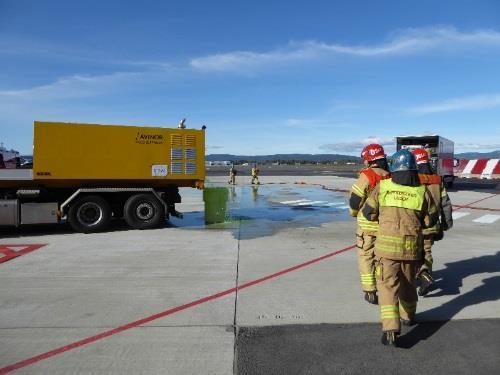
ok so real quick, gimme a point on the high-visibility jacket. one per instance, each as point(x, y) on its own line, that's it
point(441, 200)
point(402, 213)
point(367, 181)
point(255, 172)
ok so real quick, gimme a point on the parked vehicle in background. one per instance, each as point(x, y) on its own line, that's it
point(440, 149)
point(89, 173)
point(9, 159)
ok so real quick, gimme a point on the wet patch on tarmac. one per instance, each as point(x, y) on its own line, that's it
point(262, 210)
point(252, 211)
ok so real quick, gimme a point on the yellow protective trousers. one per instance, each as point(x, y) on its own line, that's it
point(366, 260)
point(397, 295)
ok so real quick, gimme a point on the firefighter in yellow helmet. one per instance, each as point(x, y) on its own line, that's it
point(255, 175)
point(443, 203)
point(375, 171)
point(403, 208)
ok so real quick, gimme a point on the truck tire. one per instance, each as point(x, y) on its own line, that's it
point(144, 211)
point(89, 214)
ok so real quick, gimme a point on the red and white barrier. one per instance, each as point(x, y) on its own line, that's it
point(478, 168)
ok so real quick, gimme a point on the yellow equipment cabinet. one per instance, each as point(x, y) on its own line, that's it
point(90, 173)
point(67, 155)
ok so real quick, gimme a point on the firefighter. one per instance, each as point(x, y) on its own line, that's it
point(255, 175)
point(443, 204)
point(232, 175)
point(376, 169)
point(403, 207)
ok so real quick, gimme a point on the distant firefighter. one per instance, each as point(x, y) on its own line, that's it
point(375, 171)
point(255, 175)
point(232, 175)
point(442, 200)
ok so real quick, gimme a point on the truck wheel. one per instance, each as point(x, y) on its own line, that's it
point(89, 214)
point(144, 211)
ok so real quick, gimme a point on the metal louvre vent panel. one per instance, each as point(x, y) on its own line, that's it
point(176, 154)
point(190, 168)
point(190, 141)
point(191, 153)
point(176, 168)
point(176, 140)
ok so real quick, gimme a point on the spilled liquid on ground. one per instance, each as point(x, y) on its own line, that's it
point(260, 210)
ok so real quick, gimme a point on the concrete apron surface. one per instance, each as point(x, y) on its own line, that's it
point(86, 304)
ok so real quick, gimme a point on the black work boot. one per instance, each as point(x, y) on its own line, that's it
point(390, 338)
point(371, 297)
point(426, 283)
point(408, 322)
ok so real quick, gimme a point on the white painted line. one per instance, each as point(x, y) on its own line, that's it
point(345, 206)
point(297, 201)
point(310, 203)
point(488, 169)
point(487, 219)
point(458, 215)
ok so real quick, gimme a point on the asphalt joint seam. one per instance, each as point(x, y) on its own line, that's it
point(235, 326)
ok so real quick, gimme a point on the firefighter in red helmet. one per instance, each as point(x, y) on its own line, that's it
point(376, 169)
point(442, 201)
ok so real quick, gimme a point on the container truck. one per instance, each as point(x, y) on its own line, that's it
point(440, 149)
point(89, 174)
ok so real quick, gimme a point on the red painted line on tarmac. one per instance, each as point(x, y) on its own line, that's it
point(470, 204)
point(324, 187)
point(291, 269)
point(476, 208)
point(8, 252)
point(334, 189)
point(136, 323)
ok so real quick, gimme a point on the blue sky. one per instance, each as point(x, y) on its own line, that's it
point(264, 76)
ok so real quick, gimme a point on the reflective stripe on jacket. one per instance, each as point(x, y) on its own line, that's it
point(402, 212)
point(368, 179)
point(441, 200)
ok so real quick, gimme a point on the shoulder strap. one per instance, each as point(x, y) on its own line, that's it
point(430, 179)
point(373, 177)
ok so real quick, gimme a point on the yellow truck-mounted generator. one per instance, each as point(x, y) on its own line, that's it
point(90, 173)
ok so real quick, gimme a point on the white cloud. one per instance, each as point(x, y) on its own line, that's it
point(75, 86)
point(357, 146)
point(408, 41)
point(477, 146)
point(459, 104)
point(248, 62)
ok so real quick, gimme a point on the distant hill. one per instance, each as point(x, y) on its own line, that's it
point(281, 157)
point(479, 155)
point(318, 158)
